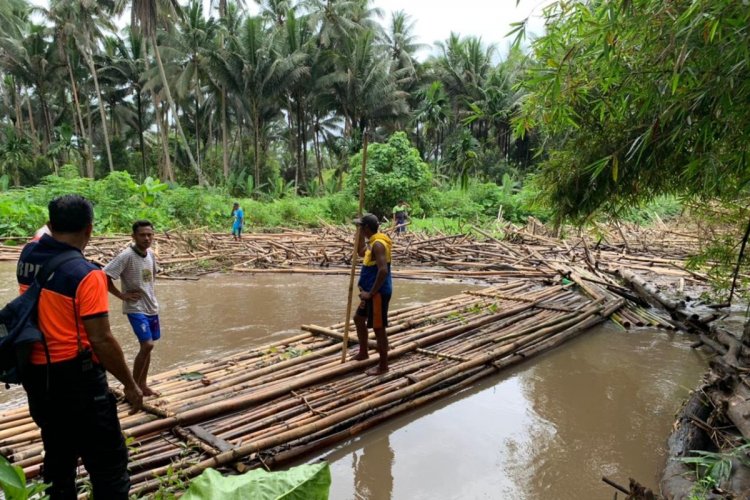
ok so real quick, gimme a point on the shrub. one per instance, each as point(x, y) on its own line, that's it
point(340, 207)
point(395, 172)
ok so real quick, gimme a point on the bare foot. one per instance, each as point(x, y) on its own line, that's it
point(359, 356)
point(147, 391)
point(378, 370)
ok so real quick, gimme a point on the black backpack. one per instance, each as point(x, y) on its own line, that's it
point(18, 322)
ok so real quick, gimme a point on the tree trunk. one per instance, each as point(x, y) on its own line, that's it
point(198, 138)
point(34, 137)
point(318, 160)
point(173, 108)
point(301, 147)
point(138, 102)
point(197, 132)
point(102, 114)
point(86, 140)
point(241, 143)
point(293, 141)
point(47, 125)
point(256, 146)
point(224, 133)
point(17, 105)
point(166, 174)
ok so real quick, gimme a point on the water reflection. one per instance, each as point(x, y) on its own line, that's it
point(611, 399)
point(373, 476)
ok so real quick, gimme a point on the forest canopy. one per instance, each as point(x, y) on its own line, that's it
point(246, 102)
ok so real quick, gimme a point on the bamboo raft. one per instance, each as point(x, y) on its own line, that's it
point(282, 400)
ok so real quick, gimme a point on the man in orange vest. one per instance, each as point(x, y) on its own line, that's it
point(375, 289)
point(66, 381)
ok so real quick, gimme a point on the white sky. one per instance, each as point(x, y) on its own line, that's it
point(488, 19)
point(435, 19)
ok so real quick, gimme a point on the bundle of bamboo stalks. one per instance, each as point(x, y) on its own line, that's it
point(678, 239)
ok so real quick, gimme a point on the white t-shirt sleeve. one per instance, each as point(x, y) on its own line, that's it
point(117, 265)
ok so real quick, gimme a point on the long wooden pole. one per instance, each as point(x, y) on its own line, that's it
point(355, 254)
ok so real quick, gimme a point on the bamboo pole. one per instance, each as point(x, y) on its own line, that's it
point(355, 252)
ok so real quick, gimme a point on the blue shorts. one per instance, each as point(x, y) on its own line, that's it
point(145, 327)
point(237, 229)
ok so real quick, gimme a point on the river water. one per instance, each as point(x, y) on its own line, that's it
point(600, 405)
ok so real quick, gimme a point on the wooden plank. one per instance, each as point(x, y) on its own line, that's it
point(209, 438)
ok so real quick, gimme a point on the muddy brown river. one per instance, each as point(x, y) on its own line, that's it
point(600, 405)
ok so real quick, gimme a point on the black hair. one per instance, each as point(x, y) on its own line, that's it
point(371, 222)
point(70, 213)
point(141, 223)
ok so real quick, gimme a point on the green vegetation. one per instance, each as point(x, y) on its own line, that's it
point(304, 482)
point(119, 200)
point(202, 106)
point(394, 172)
point(639, 99)
point(712, 468)
point(13, 483)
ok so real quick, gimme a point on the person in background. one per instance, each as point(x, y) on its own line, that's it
point(239, 221)
point(375, 289)
point(136, 268)
point(400, 217)
point(66, 382)
point(41, 232)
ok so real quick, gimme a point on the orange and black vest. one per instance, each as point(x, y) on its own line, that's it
point(76, 291)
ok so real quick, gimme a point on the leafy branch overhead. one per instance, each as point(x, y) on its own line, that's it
point(640, 98)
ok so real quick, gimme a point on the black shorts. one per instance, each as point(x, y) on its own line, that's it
point(375, 310)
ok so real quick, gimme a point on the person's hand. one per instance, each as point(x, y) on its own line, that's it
point(365, 295)
point(131, 296)
point(134, 395)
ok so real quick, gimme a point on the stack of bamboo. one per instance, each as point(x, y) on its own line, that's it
point(679, 239)
point(477, 255)
point(279, 401)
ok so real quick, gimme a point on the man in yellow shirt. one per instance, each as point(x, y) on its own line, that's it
point(375, 289)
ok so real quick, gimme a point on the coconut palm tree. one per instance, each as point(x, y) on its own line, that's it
point(336, 20)
point(195, 41)
point(84, 23)
point(463, 66)
point(146, 15)
point(32, 60)
point(400, 42)
point(226, 28)
point(433, 113)
point(15, 154)
point(256, 69)
point(126, 67)
point(363, 86)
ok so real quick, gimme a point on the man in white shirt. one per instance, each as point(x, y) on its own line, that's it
point(136, 268)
